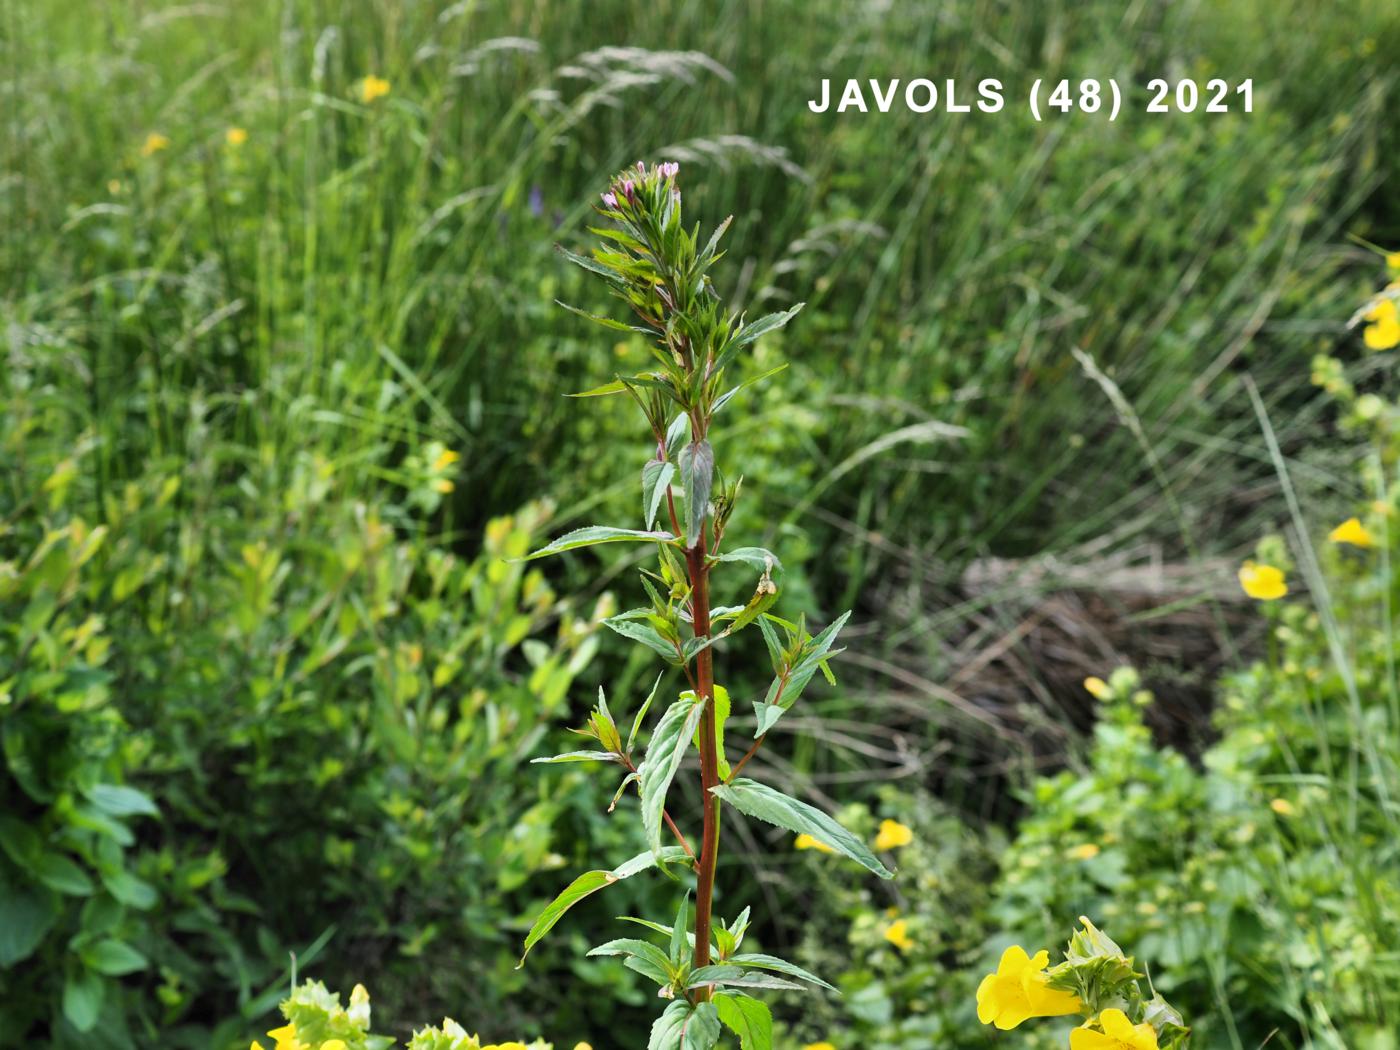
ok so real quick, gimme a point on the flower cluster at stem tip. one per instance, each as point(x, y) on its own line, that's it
point(1095, 981)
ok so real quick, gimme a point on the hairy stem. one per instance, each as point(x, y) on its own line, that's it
point(709, 758)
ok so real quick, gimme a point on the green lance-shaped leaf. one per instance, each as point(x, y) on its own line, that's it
point(685, 1026)
point(749, 332)
point(642, 956)
point(730, 975)
point(748, 1018)
point(789, 683)
point(698, 476)
point(577, 756)
point(722, 707)
point(665, 750)
point(648, 635)
point(656, 479)
point(591, 882)
point(764, 803)
point(592, 266)
point(592, 535)
point(759, 961)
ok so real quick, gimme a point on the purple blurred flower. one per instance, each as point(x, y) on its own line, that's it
point(536, 201)
point(610, 199)
point(641, 168)
point(670, 169)
point(627, 189)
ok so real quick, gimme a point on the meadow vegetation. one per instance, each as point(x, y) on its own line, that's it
point(281, 407)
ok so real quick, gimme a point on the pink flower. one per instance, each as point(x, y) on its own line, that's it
point(670, 169)
point(610, 199)
point(641, 168)
point(627, 189)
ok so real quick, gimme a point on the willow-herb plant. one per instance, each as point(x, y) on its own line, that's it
point(661, 271)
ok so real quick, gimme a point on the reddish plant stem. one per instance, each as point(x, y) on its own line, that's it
point(709, 759)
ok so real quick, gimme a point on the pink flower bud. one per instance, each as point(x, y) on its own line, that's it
point(670, 169)
point(610, 199)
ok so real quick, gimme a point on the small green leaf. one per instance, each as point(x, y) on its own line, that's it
point(591, 882)
point(728, 395)
point(83, 993)
point(668, 1030)
point(697, 476)
point(748, 1018)
point(577, 756)
point(653, 961)
point(617, 386)
point(678, 932)
point(114, 958)
point(721, 716)
point(665, 750)
point(764, 803)
point(788, 686)
point(701, 1029)
point(592, 535)
point(119, 800)
point(728, 975)
point(656, 479)
point(642, 711)
point(62, 873)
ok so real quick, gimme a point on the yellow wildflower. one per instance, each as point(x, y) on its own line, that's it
point(1263, 582)
point(893, 834)
point(1283, 807)
point(1383, 332)
point(155, 142)
point(1118, 1034)
point(1353, 532)
point(445, 459)
point(114, 186)
point(1392, 262)
point(897, 933)
point(1084, 851)
point(819, 1046)
point(1020, 990)
point(1096, 687)
point(256, 1045)
point(805, 841)
point(235, 137)
point(333, 1044)
point(444, 485)
point(582, 1046)
point(286, 1037)
point(373, 87)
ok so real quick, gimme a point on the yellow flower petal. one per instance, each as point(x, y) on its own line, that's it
point(1392, 261)
point(333, 1044)
point(155, 142)
point(819, 1046)
point(444, 485)
point(805, 841)
point(1020, 990)
point(1353, 532)
point(445, 459)
point(1084, 851)
point(1383, 332)
point(1282, 807)
point(235, 137)
point(373, 87)
point(897, 933)
point(1096, 687)
point(582, 1046)
point(1262, 582)
point(893, 834)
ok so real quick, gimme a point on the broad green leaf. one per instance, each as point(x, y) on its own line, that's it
point(130, 890)
point(27, 913)
point(656, 478)
point(119, 800)
point(676, 435)
point(113, 958)
point(748, 1018)
point(721, 716)
point(764, 803)
point(701, 1030)
point(697, 476)
point(730, 976)
point(83, 993)
point(62, 873)
point(759, 961)
point(767, 716)
point(654, 962)
point(591, 882)
point(577, 756)
point(644, 633)
point(665, 750)
point(668, 1030)
point(592, 535)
